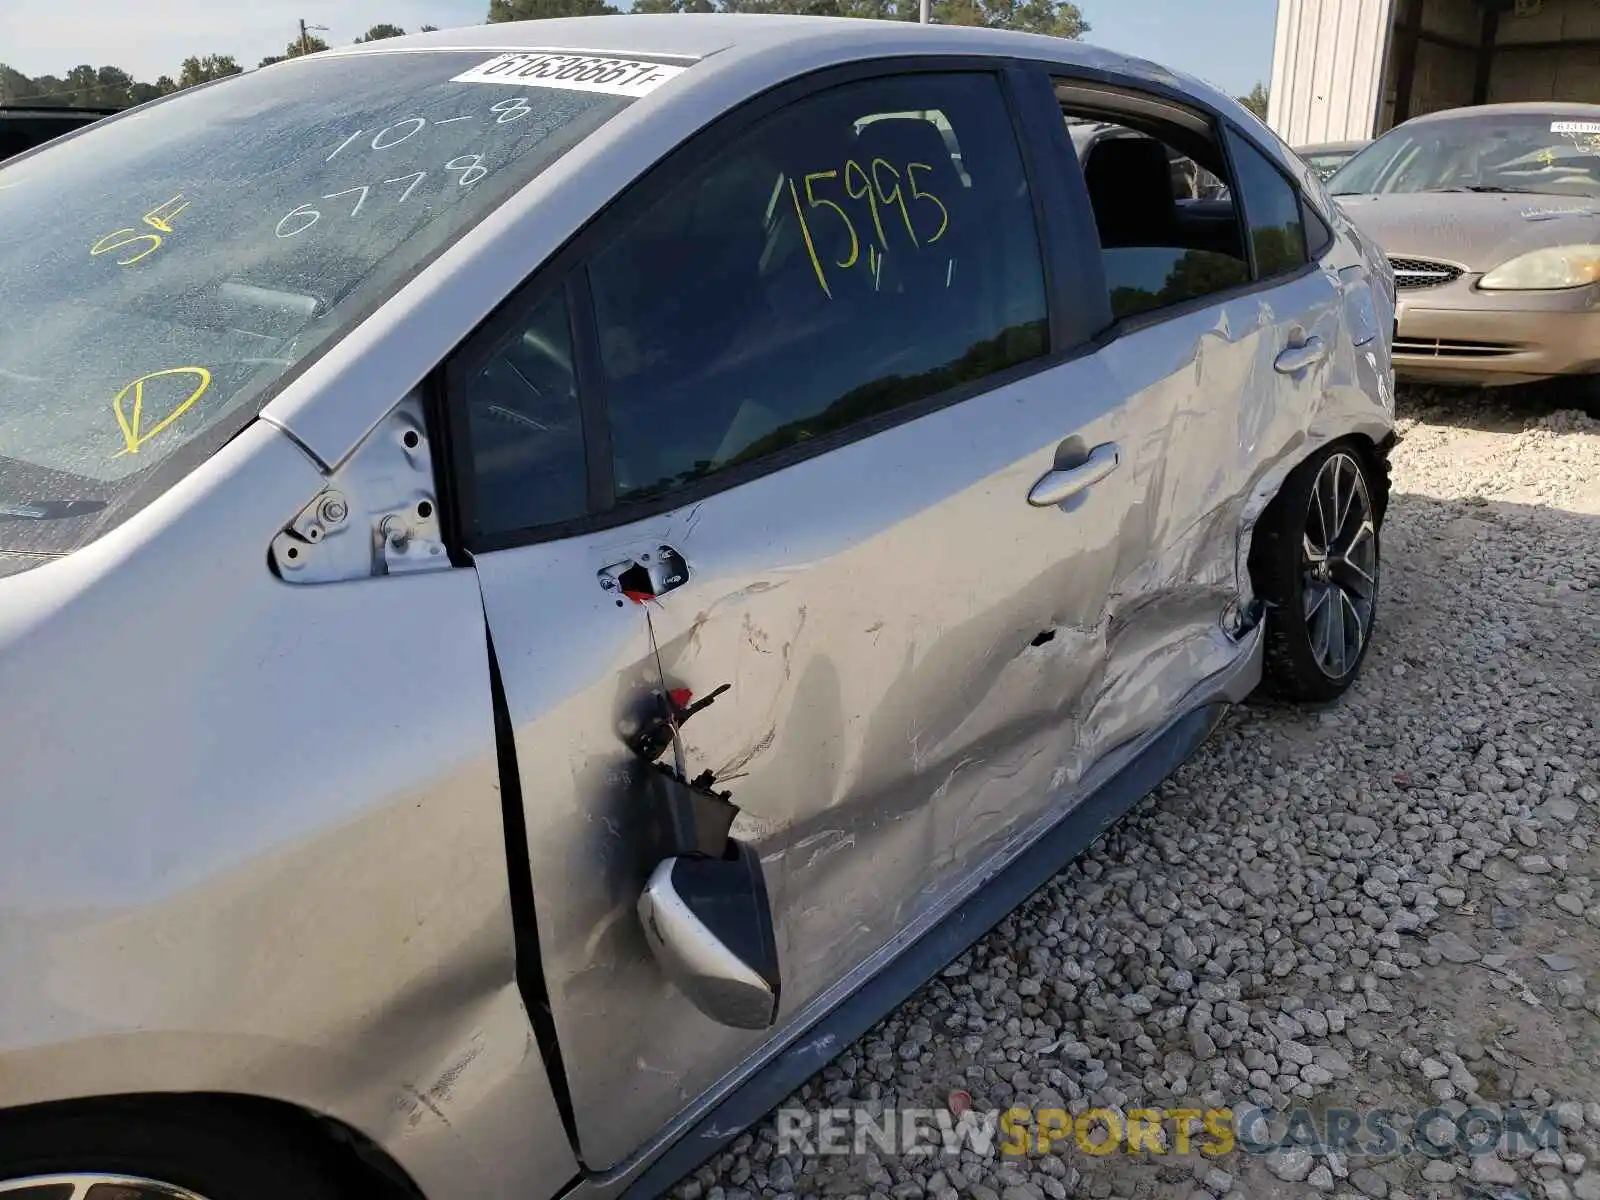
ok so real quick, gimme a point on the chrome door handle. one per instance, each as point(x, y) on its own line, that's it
point(1298, 358)
point(1065, 482)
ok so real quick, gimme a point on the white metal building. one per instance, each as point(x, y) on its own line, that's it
point(1347, 69)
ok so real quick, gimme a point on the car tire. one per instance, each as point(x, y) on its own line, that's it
point(1320, 588)
point(175, 1152)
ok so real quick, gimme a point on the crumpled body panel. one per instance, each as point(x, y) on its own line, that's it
point(919, 672)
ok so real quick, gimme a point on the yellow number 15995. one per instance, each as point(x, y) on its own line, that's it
point(866, 183)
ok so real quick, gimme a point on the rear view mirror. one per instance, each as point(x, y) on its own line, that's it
point(709, 924)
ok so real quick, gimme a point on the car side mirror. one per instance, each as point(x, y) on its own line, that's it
point(709, 924)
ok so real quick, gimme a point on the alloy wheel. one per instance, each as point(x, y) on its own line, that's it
point(90, 1185)
point(1339, 565)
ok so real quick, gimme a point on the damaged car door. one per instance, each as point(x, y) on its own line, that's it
point(1220, 336)
point(786, 496)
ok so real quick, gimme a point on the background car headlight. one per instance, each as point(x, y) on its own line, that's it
point(1545, 270)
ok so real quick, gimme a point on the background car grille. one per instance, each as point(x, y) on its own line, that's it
point(1451, 348)
point(1422, 273)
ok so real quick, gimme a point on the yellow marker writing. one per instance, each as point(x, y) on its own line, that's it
point(131, 423)
point(160, 217)
point(814, 200)
point(918, 194)
point(124, 238)
point(811, 249)
point(862, 190)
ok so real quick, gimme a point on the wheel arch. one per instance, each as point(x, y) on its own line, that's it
point(447, 1143)
point(1374, 450)
point(1285, 671)
point(353, 1158)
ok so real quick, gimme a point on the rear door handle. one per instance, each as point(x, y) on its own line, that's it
point(1065, 482)
point(1298, 358)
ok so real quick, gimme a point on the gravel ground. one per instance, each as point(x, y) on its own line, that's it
point(1393, 903)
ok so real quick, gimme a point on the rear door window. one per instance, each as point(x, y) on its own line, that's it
point(1169, 224)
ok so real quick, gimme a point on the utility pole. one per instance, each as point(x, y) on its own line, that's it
point(925, 11)
point(305, 39)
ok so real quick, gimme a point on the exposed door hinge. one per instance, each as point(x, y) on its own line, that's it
point(378, 513)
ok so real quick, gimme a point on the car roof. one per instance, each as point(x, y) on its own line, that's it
point(1554, 108)
point(698, 36)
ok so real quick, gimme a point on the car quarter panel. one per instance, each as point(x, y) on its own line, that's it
point(251, 839)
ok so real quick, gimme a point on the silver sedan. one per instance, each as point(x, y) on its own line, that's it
point(551, 574)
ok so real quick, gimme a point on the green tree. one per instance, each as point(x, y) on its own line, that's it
point(195, 70)
point(13, 84)
point(84, 86)
point(378, 32)
point(295, 49)
point(534, 10)
point(429, 29)
point(1054, 17)
point(673, 6)
point(1256, 101)
point(141, 92)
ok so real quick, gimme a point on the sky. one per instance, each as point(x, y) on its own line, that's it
point(1226, 42)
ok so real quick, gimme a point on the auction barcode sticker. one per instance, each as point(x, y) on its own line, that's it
point(1575, 126)
point(574, 72)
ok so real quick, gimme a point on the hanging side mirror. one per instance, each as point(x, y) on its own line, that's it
point(709, 924)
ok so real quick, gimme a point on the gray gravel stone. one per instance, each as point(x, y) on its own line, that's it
point(1452, 948)
point(1491, 1170)
point(1439, 1170)
point(1290, 1164)
point(1369, 1183)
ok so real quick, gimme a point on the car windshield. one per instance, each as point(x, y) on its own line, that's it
point(1493, 152)
point(1326, 162)
point(166, 271)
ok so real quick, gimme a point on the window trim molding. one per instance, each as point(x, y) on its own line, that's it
point(1081, 307)
point(1229, 133)
point(568, 268)
point(1307, 210)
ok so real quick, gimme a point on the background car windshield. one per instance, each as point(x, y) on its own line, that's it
point(164, 271)
point(1327, 163)
point(1524, 152)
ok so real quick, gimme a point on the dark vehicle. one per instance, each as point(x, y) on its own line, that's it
point(22, 127)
